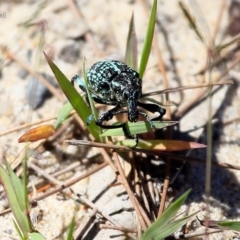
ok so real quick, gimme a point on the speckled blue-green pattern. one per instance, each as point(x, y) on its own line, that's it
point(113, 82)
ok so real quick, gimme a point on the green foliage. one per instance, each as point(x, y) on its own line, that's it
point(71, 229)
point(16, 191)
point(63, 114)
point(78, 102)
point(137, 128)
point(230, 225)
point(164, 226)
point(131, 48)
point(74, 97)
point(148, 41)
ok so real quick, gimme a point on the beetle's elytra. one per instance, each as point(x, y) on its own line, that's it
point(114, 83)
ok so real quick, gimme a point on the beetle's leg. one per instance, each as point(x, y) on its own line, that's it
point(153, 108)
point(80, 82)
point(109, 115)
point(149, 120)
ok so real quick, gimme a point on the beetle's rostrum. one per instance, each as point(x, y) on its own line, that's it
point(114, 83)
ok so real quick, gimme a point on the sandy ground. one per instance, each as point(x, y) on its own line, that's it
point(28, 28)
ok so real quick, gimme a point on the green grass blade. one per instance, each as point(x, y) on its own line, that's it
point(148, 41)
point(172, 227)
point(17, 187)
point(20, 217)
point(36, 236)
point(25, 193)
point(18, 229)
point(63, 114)
point(190, 19)
point(74, 98)
point(131, 48)
point(165, 218)
point(137, 128)
point(231, 225)
point(25, 183)
point(152, 100)
point(71, 229)
point(93, 109)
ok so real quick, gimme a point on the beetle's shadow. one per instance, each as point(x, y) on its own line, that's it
point(224, 184)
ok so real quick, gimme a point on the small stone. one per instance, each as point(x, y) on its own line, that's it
point(37, 93)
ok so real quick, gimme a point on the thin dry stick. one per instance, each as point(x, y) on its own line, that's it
point(201, 161)
point(219, 19)
point(62, 187)
point(27, 125)
point(130, 194)
point(188, 87)
point(59, 183)
point(69, 168)
point(195, 235)
point(200, 94)
point(93, 206)
point(123, 229)
point(136, 176)
point(215, 31)
point(122, 148)
point(168, 134)
point(143, 195)
point(43, 80)
point(78, 233)
point(165, 190)
point(224, 56)
point(151, 189)
point(107, 158)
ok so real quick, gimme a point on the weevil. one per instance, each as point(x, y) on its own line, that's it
point(112, 82)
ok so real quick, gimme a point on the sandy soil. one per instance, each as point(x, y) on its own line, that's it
point(27, 28)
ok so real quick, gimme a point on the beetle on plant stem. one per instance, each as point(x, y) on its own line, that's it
point(114, 83)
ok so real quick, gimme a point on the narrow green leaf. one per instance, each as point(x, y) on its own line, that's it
point(231, 225)
point(137, 128)
point(148, 41)
point(18, 229)
point(36, 236)
point(131, 48)
point(165, 218)
point(63, 114)
point(71, 229)
point(17, 187)
point(25, 193)
point(172, 227)
point(74, 98)
point(21, 218)
point(152, 100)
point(93, 109)
point(190, 19)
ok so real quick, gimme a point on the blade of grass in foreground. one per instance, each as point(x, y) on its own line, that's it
point(148, 41)
point(16, 206)
point(154, 231)
point(230, 225)
point(137, 128)
point(63, 114)
point(74, 98)
point(131, 49)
